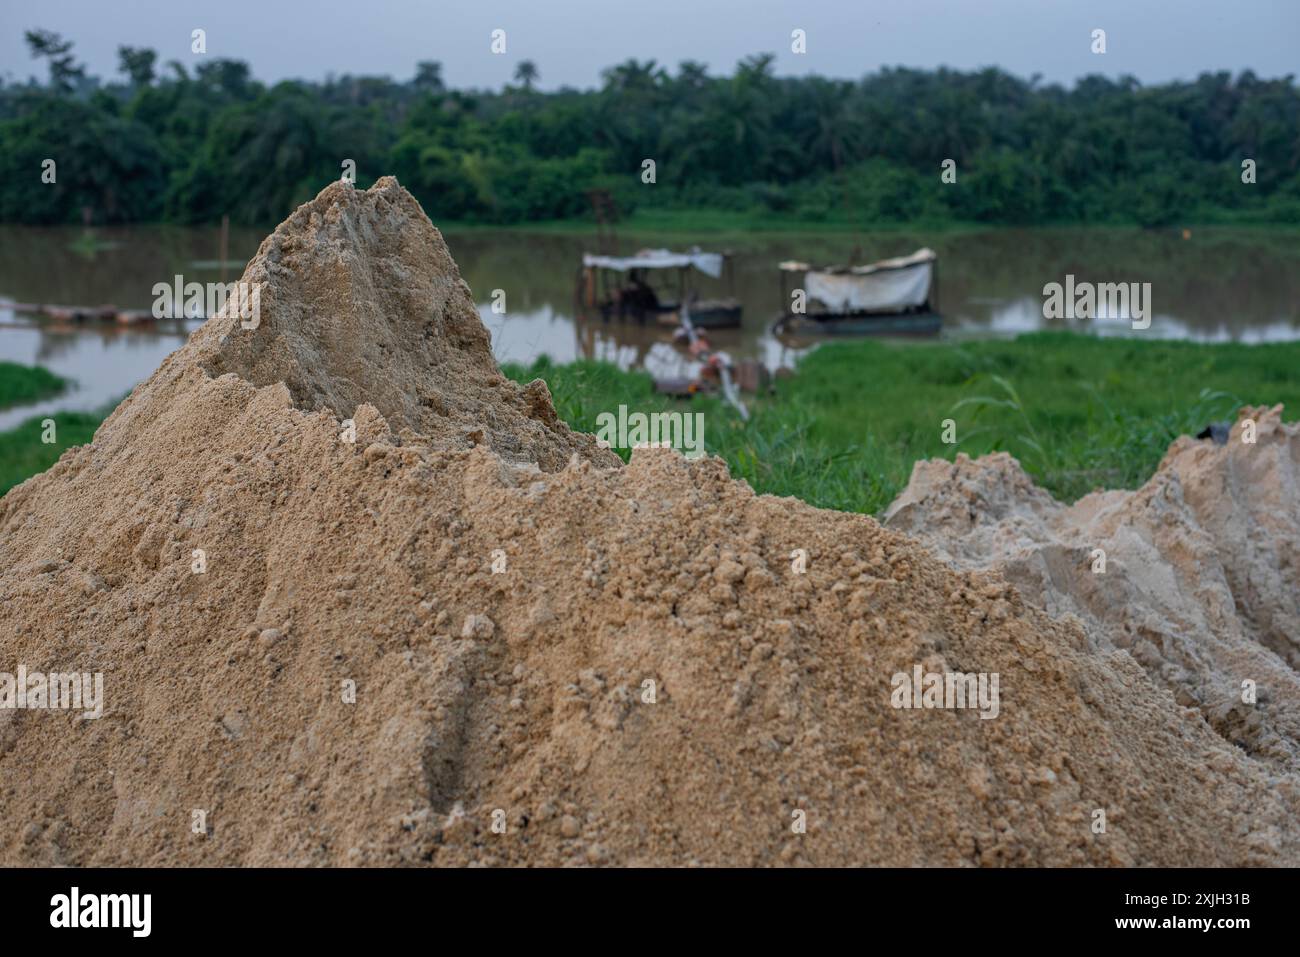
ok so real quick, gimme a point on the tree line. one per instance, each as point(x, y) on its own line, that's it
point(164, 142)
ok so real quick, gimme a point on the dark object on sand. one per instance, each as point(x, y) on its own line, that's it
point(1218, 431)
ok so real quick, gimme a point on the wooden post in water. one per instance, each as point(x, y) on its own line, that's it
point(224, 252)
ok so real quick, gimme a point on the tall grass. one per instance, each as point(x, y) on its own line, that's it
point(1079, 412)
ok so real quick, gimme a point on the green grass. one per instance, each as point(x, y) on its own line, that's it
point(20, 384)
point(695, 220)
point(23, 454)
point(1079, 412)
point(684, 224)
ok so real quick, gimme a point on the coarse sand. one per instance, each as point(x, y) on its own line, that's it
point(473, 637)
point(1196, 574)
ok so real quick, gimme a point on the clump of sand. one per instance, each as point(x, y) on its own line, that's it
point(556, 659)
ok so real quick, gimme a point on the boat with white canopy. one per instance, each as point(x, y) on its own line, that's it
point(893, 296)
point(623, 287)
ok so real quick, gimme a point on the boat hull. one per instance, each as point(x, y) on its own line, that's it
point(716, 316)
point(709, 315)
point(860, 324)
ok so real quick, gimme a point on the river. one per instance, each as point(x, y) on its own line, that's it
point(1214, 284)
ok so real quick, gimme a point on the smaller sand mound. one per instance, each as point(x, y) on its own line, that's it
point(1202, 566)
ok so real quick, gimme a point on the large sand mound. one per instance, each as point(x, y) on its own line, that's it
point(524, 691)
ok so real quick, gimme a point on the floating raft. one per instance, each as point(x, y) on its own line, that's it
point(89, 314)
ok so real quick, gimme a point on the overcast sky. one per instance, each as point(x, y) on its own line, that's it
point(572, 40)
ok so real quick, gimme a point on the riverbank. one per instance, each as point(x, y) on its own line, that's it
point(684, 223)
point(1079, 412)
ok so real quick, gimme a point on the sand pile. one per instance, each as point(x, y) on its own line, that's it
point(1201, 574)
point(555, 659)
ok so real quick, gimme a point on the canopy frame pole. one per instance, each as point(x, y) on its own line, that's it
point(729, 391)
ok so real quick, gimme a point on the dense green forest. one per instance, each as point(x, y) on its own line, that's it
point(164, 142)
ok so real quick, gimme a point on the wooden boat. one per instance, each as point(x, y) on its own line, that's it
point(891, 297)
point(633, 296)
point(706, 314)
point(860, 324)
point(716, 313)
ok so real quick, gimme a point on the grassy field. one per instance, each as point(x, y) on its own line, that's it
point(1079, 412)
point(19, 384)
point(23, 454)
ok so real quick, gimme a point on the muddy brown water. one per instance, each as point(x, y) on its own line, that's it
point(1218, 284)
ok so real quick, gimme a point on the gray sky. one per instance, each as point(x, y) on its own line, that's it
point(571, 40)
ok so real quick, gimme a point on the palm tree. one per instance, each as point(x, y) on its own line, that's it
point(755, 70)
point(65, 72)
point(692, 75)
point(428, 77)
point(834, 125)
point(137, 63)
point(632, 74)
point(527, 74)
